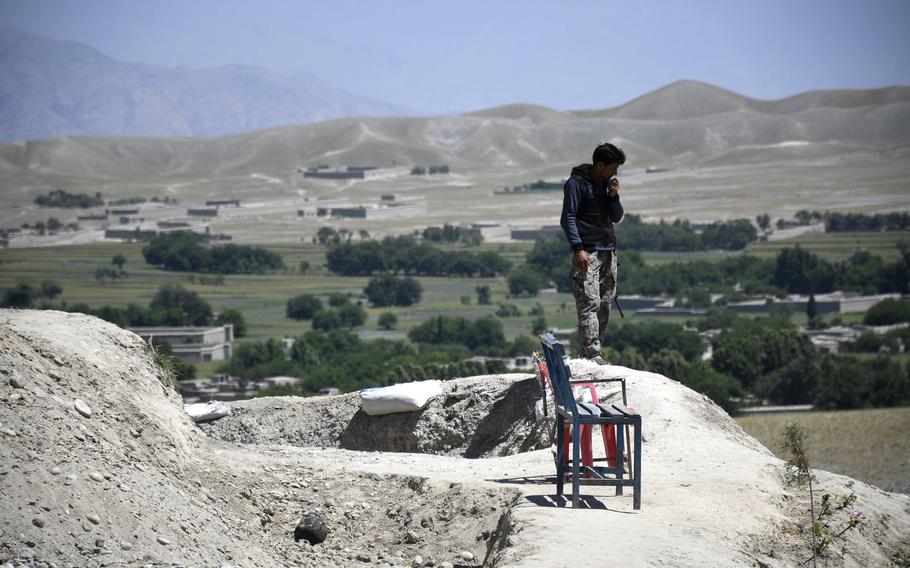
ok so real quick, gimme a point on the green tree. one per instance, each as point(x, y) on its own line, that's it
point(388, 320)
point(763, 221)
point(484, 297)
point(327, 236)
point(176, 298)
point(54, 225)
point(327, 320)
point(337, 299)
point(751, 349)
point(20, 296)
point(352, 315)
point(888, 312)
point(303, 307)
point(508, 311)
point(811, 308)
point(235, 318)
point(305, 354)
point(538, 325)
point(668, 363)
point(119, 261)
point(525, 281)
point(51, 289)
point(387, 290)
point(803, 272)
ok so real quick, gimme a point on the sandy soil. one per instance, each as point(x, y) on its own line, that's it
point(124, 478)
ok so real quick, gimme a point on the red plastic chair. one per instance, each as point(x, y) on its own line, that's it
point(587, 450)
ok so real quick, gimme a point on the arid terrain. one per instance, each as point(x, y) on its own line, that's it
point(101, 466)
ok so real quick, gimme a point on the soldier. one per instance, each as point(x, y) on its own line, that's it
point(590, 208)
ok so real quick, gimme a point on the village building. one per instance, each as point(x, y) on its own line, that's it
point(193, 344)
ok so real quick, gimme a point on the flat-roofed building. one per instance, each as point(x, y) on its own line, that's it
point(527, 234)
point(193, 344)
point(137, 234)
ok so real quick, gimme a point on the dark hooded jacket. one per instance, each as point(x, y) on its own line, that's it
point(588, 213)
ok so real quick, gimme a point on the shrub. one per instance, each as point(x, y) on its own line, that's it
point(393, 291)
point(303, 307)
point(388, 320)
point(888, 312)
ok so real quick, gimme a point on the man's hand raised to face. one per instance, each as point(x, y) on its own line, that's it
point(613, 187)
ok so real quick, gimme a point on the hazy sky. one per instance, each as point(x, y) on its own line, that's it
point(468, 54)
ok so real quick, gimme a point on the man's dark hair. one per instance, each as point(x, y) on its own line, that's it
point(609, 154)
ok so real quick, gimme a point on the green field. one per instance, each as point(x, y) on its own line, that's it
point(262, 298)
point(839, 246)
point(870, 445)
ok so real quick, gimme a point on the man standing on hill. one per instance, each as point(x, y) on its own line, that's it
point(589, 209)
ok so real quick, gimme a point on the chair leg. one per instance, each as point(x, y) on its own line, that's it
point(576, 458)
point(636, 486)
point(608, 433)
point(587, 449)
point(560, 462)
point(620, 452)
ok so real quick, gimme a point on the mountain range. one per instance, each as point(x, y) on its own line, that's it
point(53, 88)
point(684, 123)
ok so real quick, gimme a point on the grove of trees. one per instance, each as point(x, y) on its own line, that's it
point(186, 251)
point(405, 255)
point(64, 199)
point(387, 290)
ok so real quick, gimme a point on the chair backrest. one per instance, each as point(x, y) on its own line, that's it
point(560, 374)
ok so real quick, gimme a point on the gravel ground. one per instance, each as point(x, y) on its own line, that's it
point(100, 466)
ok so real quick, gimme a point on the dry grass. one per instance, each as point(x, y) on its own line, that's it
point(870, 445)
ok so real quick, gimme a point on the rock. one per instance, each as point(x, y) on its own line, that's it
point(467, 556)
point(70, 479)
point(82, 408)
point(125, 545)
point(38, 522)
point(95, 476)
point(446, 565)
point(56, 470)
point(9, 432)
point(16, 383)
point(311, 528)
point(93, 518)
point(417, 562)
point(364, 557)
point(410, 537)
point(163, 541)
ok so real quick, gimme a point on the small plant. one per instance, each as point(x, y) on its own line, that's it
point(824, 531)
point(165, 363)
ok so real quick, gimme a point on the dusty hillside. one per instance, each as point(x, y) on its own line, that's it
point(99, 465)
point(688, 122)
point(123, 478)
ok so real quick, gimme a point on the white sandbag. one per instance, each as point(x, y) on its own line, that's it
point(204, 411)
point(403, 397)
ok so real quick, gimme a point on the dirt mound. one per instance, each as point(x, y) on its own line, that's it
point(476, 417)
point(99, 465)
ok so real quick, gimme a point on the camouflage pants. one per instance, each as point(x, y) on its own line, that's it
point(594, 291)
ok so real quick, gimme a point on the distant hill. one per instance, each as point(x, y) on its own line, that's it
point(53, 88)
point(685, 123)
point(693, 99)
